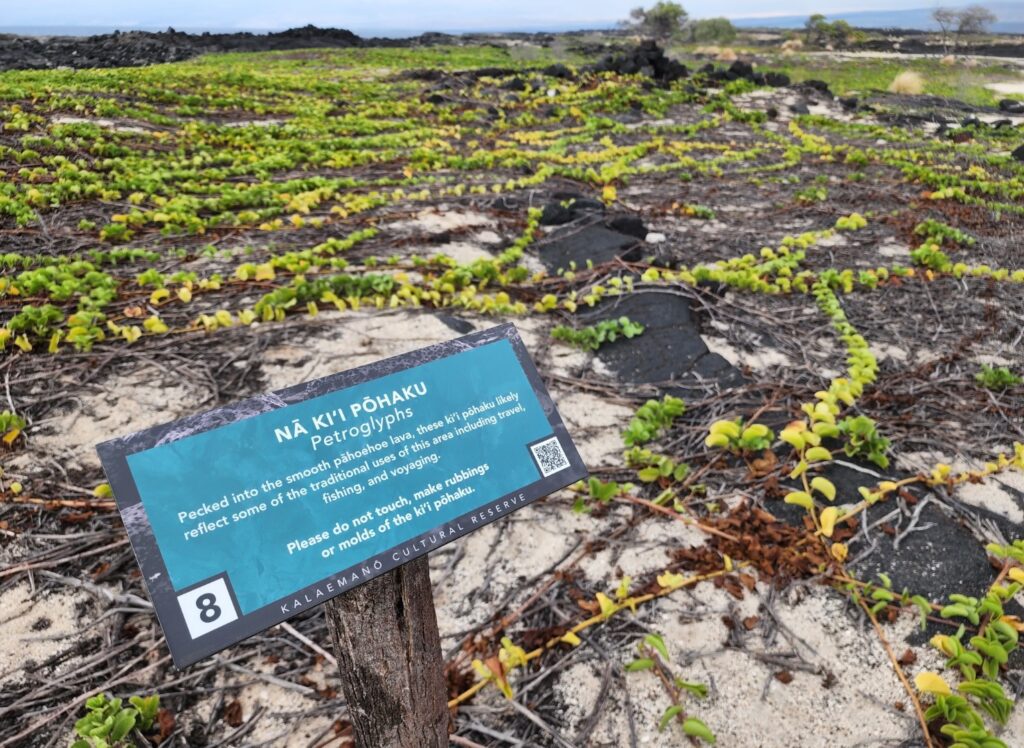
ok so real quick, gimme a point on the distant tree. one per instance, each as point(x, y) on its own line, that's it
point(663, 20)
point(946, 18)
point(819, 31)
point(816, 29)
point(840, 33)
point(711, 30)
point(974, 19)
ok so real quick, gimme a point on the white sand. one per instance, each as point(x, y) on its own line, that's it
point(893, 249)
point(993, 496)
point(35, 628)
point(765, 357)
point(857, 709)
point(125, 403)
point(440, 219)
point(1007, 88)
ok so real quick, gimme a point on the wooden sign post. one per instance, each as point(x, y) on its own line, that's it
point(389, 654)
point(333, 491)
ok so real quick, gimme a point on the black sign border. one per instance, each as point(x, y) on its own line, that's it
point(185, 650)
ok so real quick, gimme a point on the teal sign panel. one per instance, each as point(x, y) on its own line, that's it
point(246, 515)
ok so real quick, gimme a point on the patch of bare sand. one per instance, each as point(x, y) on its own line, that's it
point(495, 561)
point(1002, 493)
point(642, 553)
point(107, 124)
point(34, 628)
point(595, 424)
point(760, 360)
point(846, 694)
point(893, 249)
point(440, 219)
point(277, 709)
point(335, 342)
point(885, 350)
point(126, 403)
point(1007, 87)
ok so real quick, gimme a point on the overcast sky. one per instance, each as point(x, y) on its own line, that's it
point(367, 16)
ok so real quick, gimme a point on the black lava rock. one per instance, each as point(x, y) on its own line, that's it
point(568, 207)
point(629, 225)
point(132, 48)
point(799, 108)
point(647, 58)
point(741, 69)
point(1012, 106)
point(595, 243)
point(558, 70)
point(1018, 153)
point(848, 102)
point(671, 352)
point(817, 85)
point(776, 80)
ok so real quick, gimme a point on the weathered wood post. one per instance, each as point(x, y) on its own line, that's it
point(389, 654)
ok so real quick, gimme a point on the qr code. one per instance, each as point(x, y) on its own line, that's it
point(549, 456)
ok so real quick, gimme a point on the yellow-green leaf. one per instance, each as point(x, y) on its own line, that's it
point(933, 683)
point(716, 440)
point(817, 454)
point(154, 324)
point(622, 592)
point(825, 487)
point(828, 518)
point(755, 431)
point(511, 655)
point(670, 580)
point(800, 498)
point(794, 438)
point(697, 729)
point(730, 429)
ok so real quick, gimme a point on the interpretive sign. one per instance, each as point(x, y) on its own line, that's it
point(243, 516)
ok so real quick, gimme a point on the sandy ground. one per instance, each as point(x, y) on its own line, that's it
point(843, 690)
point(1014, 88)
point(991, 59)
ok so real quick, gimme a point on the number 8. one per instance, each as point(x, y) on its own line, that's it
point(209, 611)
